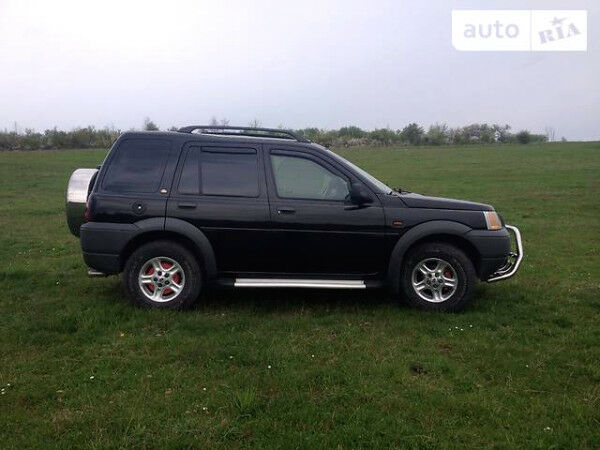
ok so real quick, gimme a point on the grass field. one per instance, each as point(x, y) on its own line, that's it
point(520, 368)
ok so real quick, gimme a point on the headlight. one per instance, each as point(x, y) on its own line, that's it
point(492, 220)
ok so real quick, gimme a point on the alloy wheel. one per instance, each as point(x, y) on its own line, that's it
point(161, 279)
point(434, 280)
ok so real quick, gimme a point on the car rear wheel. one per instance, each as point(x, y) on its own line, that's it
point(162, 274)
point(438, 276)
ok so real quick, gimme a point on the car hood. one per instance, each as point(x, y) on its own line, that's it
point(423, 201)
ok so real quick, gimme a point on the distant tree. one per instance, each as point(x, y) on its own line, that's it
point(351, 132)
point(254, 123)
point(213, 121)
point(312, 134)
point(328, 138)
point(563, 139)
point(538, 138)
point(105, 137)
point(501, 133)
point(486, 134)
point(149, 125)
point(478, 132)
point(523, 137)
point(31, 140)
point(412, 133)
point(383, 136)
point(173, 128)
point(87, 137)
point(438, 134)
point(55, 139)
point(83, 137)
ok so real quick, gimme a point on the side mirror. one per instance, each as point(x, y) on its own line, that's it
point(359, 195)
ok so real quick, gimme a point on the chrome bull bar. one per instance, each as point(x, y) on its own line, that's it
point(512, 262)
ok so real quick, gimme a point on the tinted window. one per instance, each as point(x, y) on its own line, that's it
point(302, 178)
point(189, 182)
point(138, 166)
point(220, 171)
point(229, 172)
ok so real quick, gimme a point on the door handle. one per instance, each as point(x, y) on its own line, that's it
point(286, 210)
point(185, 205)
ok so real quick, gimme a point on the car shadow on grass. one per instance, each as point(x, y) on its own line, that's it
point(270, 299)
point(294, 300)
point(290, 299)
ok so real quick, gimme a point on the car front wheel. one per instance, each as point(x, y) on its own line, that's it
point(438, 276)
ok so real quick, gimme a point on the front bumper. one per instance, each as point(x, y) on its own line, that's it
point(513, 261)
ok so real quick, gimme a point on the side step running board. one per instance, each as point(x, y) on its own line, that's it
point(299, 283)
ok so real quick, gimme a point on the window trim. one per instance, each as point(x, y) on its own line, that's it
point(177, 181)
point(213, 148)
point(320, 162)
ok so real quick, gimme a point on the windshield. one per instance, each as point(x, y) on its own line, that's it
point(380, 186)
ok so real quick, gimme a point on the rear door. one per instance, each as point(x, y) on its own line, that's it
point(220, 189)
point(319, 231)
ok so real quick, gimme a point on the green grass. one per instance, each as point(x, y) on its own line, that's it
point(519, 369)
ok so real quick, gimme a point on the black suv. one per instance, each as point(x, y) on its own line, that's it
point(259, 207)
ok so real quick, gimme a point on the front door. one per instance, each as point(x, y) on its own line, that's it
point(319, 232)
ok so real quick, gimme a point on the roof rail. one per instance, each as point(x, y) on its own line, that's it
point(245, 131)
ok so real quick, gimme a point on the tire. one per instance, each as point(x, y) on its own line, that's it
point(143, 278)
point(438, 277)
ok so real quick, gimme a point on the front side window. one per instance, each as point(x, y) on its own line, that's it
point(138, 166)
point(220, 171)
point(297, 177)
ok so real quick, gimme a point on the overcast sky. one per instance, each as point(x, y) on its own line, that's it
point(298, 64)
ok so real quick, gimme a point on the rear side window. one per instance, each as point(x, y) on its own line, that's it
point(220, 171)
point(138, 166)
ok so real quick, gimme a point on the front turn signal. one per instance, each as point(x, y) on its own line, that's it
point(492, 220)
